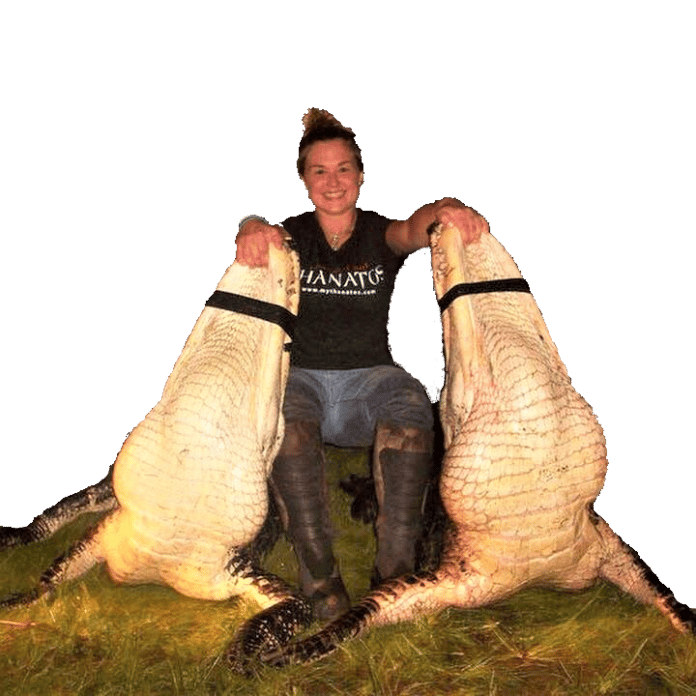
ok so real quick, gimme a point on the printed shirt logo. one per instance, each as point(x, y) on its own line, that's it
point(364, 279)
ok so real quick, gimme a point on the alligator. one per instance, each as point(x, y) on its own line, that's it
point(188, 492)
point(524, 460)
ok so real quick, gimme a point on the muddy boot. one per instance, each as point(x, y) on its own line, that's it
point(402, 465)
point(299, 484)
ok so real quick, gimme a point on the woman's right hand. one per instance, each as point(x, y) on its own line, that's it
point(253, 240)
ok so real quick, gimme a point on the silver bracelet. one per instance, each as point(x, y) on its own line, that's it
point(246, 219)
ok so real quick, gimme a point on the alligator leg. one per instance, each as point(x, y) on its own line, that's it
point(622, 566)
point(83, 555)
point(97, 498)
point(275, 625)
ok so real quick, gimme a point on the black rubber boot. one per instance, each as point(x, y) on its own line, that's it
point(402, 466)
point(299, 484)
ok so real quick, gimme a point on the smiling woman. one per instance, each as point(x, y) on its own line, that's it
point(344, 387)
point(333, 181)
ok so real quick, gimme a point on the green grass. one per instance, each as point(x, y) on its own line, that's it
point(96, 638)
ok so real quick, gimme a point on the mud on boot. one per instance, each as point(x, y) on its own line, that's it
point(402, 465)
point(300, 487)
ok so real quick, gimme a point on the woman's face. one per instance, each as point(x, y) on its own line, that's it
point(332, 177)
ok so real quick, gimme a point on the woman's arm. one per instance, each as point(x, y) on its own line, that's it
point(406, 236)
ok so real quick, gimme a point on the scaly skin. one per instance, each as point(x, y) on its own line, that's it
point(525, 459)
point(97, 498)
point(190, 481)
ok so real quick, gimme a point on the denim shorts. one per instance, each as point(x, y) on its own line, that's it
point(348, 403)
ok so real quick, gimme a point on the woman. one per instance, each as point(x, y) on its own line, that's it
point(344, 388)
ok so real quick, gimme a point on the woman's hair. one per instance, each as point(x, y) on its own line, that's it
point(319, 124)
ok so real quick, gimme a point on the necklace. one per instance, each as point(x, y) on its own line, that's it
point(334, 242)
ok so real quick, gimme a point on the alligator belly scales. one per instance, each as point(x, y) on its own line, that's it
point(525, 459)
point(190, 482)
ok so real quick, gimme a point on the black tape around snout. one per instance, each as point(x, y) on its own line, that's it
point(254, 308)
point(501, 285)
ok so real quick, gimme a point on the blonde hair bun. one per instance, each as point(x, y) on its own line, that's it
point(320, 118)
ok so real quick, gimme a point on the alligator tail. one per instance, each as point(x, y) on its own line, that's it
point(395, 600)
point(326, 641)
point(270, 629)
point(96, 498)
point(284, 612)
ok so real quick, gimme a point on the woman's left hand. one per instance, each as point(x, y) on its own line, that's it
point(406, 236)
point(465, 219)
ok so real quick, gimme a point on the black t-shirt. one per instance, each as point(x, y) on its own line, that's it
point(345, 295)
